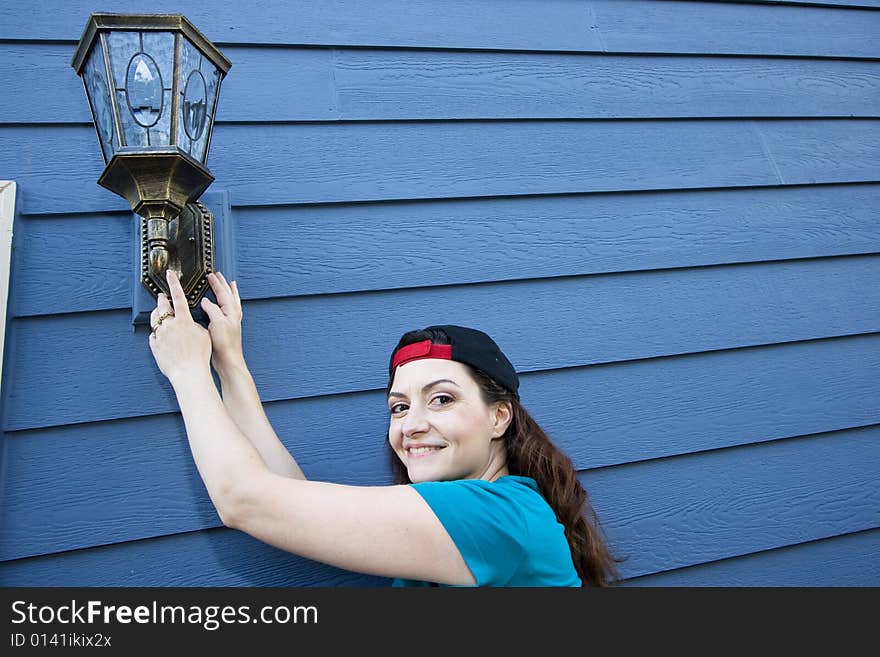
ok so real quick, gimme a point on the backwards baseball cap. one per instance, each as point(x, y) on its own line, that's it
point(468, 346)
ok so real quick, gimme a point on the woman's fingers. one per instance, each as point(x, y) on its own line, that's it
point(162, 306)
point(222, 291)
point(227, 295)
point(212, 310)
point(178, 296)
point(233, 289)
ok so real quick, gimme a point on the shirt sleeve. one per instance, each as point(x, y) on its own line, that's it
point(486, 524)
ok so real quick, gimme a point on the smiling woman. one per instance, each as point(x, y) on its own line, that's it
point(483, 497)
point(509, 499)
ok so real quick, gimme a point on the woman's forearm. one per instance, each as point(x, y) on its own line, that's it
point(243, 403)
point(224, 456)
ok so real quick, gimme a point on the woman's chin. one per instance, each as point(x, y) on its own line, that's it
point(420, 472)
point(418, 475)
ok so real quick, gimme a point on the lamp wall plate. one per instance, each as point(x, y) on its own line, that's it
point(216, 204)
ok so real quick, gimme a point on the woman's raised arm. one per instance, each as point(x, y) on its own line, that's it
point(239, 391)
point(385, 530)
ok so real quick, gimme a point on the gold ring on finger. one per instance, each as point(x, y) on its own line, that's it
point(162, 318)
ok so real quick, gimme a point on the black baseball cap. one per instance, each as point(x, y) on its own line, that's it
point(466, 345)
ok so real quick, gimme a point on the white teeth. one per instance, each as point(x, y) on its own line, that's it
point(422, 450)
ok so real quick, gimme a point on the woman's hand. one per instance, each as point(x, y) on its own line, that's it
point(179, 345)
point(225, 324)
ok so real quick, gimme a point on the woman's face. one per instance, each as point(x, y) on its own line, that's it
point(440, 427)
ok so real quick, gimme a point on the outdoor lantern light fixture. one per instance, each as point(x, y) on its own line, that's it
point(152, 83)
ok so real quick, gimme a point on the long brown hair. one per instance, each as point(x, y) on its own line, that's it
point(531, 453)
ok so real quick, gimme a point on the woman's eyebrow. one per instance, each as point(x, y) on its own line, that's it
point(426, 387)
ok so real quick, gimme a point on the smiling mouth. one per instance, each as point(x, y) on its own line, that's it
point(422, 451)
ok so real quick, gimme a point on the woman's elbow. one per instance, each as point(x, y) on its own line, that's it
point(239, 500)
point(229, 501)
point(227, 517)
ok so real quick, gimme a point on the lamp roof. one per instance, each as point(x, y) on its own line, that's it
point(99, 22)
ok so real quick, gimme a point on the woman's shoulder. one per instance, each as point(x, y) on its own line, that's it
point(505, 529)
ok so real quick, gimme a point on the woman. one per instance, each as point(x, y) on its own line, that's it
point(483, 498)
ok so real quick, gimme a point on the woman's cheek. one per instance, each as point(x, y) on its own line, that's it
point(395, 438)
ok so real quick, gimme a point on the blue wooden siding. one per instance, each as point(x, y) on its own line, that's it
point(665, 212)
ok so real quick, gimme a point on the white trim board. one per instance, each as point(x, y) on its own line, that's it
point(7, 214)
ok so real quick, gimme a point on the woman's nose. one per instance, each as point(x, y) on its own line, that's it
point(415, 421)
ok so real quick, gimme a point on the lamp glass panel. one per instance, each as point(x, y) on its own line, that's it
point(198, 90)
point(195, 101)
point(143, 90)
point(98, 91)
point(212, 81)
point(160, 47)
point(123, 45)
point(135, 135)
point(140, 86)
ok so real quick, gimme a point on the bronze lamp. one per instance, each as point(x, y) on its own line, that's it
point(152, 82)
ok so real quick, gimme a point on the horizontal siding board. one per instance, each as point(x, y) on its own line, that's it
point(617, 413)
point(370, 84)
point(313, 250)
point(736, 28)
point(600, 25)
point(564, 25)
point(803, 154)
point(318, 163)
point(703, 507)
point(606, 319)
point(599, 416)
point(221, 557)
point(71, 262)
point(289, 251)
point(848, 560)
point(297, 84)
point(311, 163)
point(856, 4)
point(432, 160)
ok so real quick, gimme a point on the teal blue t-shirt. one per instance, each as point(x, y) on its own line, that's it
point(506, 531)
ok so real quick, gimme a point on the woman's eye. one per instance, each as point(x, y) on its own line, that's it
point(440, 400)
